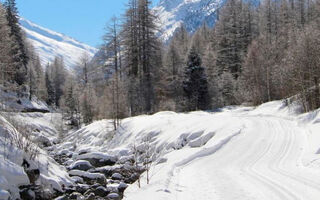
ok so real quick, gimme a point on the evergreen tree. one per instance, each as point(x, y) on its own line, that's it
point(6, 68)
point(195, 84)
point(18, 49)
point(49, 87)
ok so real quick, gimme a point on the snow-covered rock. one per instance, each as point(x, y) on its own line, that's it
point(92, 177)
point(117, 176)
point(82, 165)
point(98, 159)
point(4, 195)
point(113, 196)
point(12, 156)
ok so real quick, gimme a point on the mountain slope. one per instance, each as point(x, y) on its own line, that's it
point(191, 13)
point(49, 44)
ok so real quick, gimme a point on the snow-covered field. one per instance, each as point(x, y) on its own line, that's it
point(266, 152)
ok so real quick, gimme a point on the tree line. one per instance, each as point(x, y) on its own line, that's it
point(256, 52)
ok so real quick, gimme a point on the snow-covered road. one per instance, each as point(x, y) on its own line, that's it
point(255, 156)
point(263, 162)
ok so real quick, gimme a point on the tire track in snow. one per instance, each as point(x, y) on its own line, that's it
point(272, 185)
point(285, 154)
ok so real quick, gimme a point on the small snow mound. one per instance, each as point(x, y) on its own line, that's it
point(113, 196)
point(4, 195)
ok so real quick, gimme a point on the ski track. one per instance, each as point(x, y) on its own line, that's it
point(263, 162)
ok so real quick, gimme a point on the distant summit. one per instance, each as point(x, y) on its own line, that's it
point(191, 13)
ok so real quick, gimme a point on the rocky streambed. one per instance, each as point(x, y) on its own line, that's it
point(97, 175)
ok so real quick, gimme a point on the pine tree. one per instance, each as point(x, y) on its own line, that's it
point(6, 68)
point(18, 49)
point(195, 84)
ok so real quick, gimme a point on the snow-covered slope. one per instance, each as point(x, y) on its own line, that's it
point(191, 13)
point(268, 152)
point(49, 44)
point(17, 149)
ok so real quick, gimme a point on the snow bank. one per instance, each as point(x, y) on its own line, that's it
point(10, 101)
point(12, 175)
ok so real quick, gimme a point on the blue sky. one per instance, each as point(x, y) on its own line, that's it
point(83, 20)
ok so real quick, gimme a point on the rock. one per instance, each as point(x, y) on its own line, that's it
point(88, 192)
point(33, 175)
point(44, 141)
point(107, 170)
point(117, 176)
point(82, 188)
point(77, 179)
point(91, 196)
point(62, 198)
point(113, 196)
point(27, 194)
point(133, 177)
point(101, 191)
point(88, 177)
point(122, 186)
point(113, 188)
point(76, 196)
point(82, 165)
point(5, 195)
point(98, 159)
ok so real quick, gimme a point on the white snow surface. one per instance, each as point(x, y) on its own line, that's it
point(10, 101)
point(265, 152)
point(12, 175)
point(50, 44)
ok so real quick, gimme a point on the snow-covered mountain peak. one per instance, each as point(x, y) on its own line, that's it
point(49, 44)
point(191, 13)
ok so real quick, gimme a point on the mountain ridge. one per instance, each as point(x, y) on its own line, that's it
point(190, 13)
point(50, 44)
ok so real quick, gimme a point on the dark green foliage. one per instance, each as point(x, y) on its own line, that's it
point(195, 84)
point(18, 49)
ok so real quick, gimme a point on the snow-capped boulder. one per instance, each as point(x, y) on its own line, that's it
point(117, 176)
point(5, 195)
point(77, 179)
point(113, 196)
point(122, 186)
point(98, 159)
point(82, 165)
point(89, 177)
